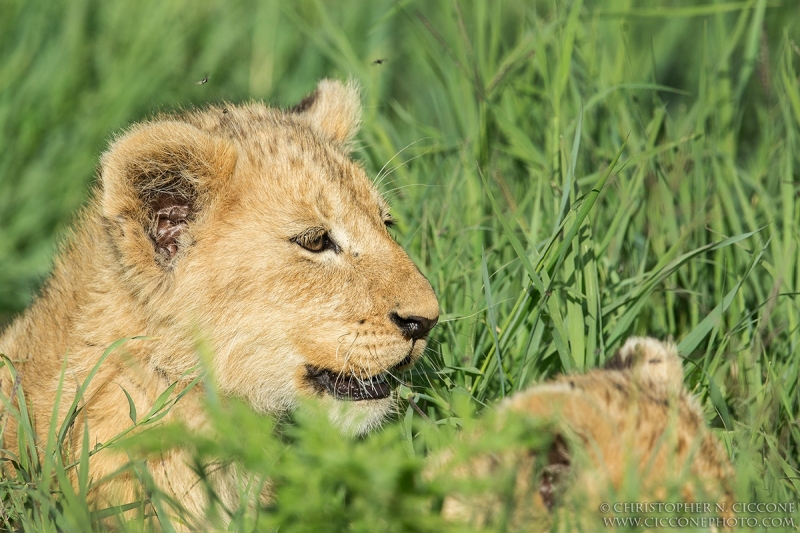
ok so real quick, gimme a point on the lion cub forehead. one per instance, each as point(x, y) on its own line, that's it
point(283, 159)
point(285, 162)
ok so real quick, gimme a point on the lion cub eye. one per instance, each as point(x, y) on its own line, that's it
point(316, 241)
point(320, 243)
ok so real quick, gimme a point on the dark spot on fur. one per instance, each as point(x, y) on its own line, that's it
point(681, 444)
point(654, 361)
point(162, 373)
point(616, 362)
point(620, 388)
point(362, 320)
point(554, 472)
point(305, 103)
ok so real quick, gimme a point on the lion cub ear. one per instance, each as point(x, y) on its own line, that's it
point(157, 180)
point(654, 365)
point(333, 109)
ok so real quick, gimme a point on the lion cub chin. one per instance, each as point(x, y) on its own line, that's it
point(245, 226)
point(630, 432)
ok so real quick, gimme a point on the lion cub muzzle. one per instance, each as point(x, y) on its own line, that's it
point(348, 387)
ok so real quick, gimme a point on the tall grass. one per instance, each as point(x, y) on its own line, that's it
point(567, 174)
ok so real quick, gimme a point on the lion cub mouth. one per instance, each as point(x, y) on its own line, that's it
point(349, 387)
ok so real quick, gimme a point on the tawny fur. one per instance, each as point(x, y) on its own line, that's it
point(630, 428)
point(192, 235)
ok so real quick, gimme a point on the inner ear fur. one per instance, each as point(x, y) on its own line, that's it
point(157, 179)
point(333, 109)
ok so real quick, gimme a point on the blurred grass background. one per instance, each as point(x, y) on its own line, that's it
point(497, 124)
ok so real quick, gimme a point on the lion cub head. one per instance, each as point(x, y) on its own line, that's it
point(252, 227)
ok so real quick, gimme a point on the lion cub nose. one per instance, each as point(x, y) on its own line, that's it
point(413, 327)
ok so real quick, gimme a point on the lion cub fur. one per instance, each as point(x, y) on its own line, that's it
point(245, 226)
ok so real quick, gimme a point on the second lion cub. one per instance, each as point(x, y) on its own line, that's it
point(629, 428)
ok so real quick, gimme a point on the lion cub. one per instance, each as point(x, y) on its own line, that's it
point(250, 228)
point(628, 432)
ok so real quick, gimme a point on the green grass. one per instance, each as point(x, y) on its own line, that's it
point(566, 174)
